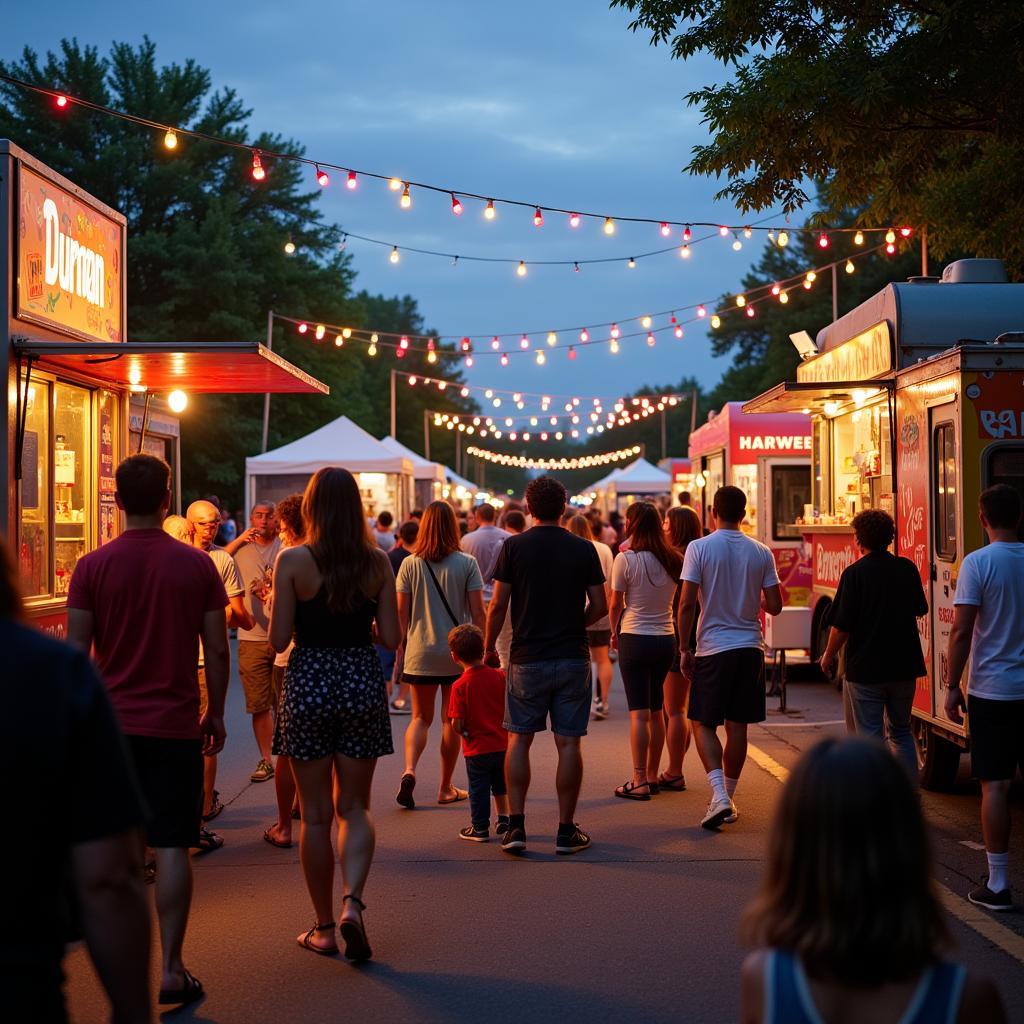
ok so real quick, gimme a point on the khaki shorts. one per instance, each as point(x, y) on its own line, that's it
point(256, 667)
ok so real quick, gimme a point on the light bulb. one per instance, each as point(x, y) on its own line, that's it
point(858, 238)
point(890, 236)
point(687, 233)
point(572, 352)
point(489, 211)
point(823, 241)
point(748, 232)
point(665, 229)
point(645, 322)
point(584, 336)
point(890, 248)
point(394, 254)
point(373, 338)
point(339, 340)
point(541, 358)
point(61, 101)
point(456, 206)
point(812, 276)
point(346, 333)
point(406, 201)
point(783, 239)
point(504, 359)
point(524, 342)
point(702, 311)
point(538, 218)
point(351, 181)
point(302, 328)
point(750, 311)
point(323, 179)
point(403, 343)
point(716, 321)
point(650, 341)
point(850, 267)
point(905, 232)
point(776, 289)
point(372, 350)
point(736, 245)
point(258, 173)
point(807, 284)
point(723, 231)
point(171, 139)
point(615, 330)
point(609, 226)
point(395, 184)
point(574, 220)
point(632, 263)
point(431, 357)
point(495, 343)
point(552, 338)
point(321, 330)
point(469, 362)
point(613, 346)
point(741, 301)
point(289, 247)
point(412, 382)
point(684, 252)
point(177, 401)
point(679, 332)
point(521, 269)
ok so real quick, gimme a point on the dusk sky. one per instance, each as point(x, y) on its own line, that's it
point(553, 103)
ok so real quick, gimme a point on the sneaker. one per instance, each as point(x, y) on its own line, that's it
point(572, 842)
point(264, 770)
point(732, 817)
point(983, 896)
point(600, 710)
point(400, 707)
point(718, 810)
point(502, 827)
point(474, 835)
point(514, 840)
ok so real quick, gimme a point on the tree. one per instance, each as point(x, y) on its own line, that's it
point(205, 254)
point(909, 111)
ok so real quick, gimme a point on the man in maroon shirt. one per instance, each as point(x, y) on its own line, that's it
point(141, 604)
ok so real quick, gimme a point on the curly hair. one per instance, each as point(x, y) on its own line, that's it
point(545, 498)
point(466, 642)
point(874, 529)
point(289, 515)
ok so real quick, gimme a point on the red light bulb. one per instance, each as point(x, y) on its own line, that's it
point(701, 311)
point(495, 344)
point(524, 342)
point(679, 332)
point(650, 340)
point(890, 248)
point(823, 241)
point(258, 172)
point(399, 353)
point(687, 233)
point(469, 361)
point(572, 352)
point(403, 344)
point(503, 360)
point(323, 178)
point(464, 345)
point(750, 310)
point(302, 328)
point(723, 231)
point(665, 229)
point(61, 101)
point(538, 218)
point(574, 220)
point(584, 335)
point(905, 232)
point(456, 206)
point(352, 180)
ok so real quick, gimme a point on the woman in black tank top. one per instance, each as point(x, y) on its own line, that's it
point(333, 713)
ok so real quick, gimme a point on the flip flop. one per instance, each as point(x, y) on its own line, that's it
point(628, 791)
point(460, 794)
point(268, 836)
point(215, 807)
point(672, 783)
point(357, 947)
point(405, 789)
point(188, 993)
point(306, 941)
point(208, 841)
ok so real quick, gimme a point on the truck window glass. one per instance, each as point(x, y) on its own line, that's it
point(944, 477)
point(1005, 465)
point(791, 488)
point(34, 543)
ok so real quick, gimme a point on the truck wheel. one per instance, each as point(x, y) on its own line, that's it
point(938, 760)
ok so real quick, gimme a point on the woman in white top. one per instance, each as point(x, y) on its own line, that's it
point(643, 585)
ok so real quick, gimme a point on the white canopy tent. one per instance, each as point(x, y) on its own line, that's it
point(600, 489)
point(460, 489)
point(638, 479)
point(385, 477)
point(429, 477)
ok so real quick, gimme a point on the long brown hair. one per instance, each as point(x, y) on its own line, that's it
point(643, 527)
point(848, 882)
point(580, 526)
point(683, 527)
point(338, 536)
point(10, 591)
point(439, 532)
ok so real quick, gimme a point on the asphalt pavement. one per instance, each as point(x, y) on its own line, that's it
point(642, 926)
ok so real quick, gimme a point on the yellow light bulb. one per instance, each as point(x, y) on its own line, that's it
point(406, 201)
point(177, 401)
point(373, 339)
point(741, 301)
point(289, 247)
point(850, 267)
point(783, 239)
point(784, 298)
point(489, 212)
point(858, 238)
point(812, 276)
point(321, 330)
point(541, 358)
point(372, 350)
point(171, 139)
point(395, 184)
point(394, 254)
point(521, 269)
point(552, 338)
point(347, 333)
point(716, 321)
point(645, 322)
point(614, 346)
point(609, 226)
point(339, 340)
point(431, 357)
point(890, 236)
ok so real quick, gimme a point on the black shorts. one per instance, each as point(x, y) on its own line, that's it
point(428, 680)
point(170, 774)
point(599, 637)
point(997, 737)
point(644, 662)
point(728, 687)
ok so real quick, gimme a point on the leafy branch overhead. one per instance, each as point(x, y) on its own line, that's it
point(910, 112)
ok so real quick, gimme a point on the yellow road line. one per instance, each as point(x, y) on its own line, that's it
point(963, 910)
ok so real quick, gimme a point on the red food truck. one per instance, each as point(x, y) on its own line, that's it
point(79, 395)
point(917, 404)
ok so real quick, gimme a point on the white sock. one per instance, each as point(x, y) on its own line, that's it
point(730, 786)
point(998, 871)
point(716, 779)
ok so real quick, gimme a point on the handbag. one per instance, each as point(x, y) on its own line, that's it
point(440, 594)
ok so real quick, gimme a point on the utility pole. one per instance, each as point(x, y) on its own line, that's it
point(835, 292)
point(664, 449)
point(426, 434)
point(693, 411)
point(458, 453)
point(266, 396)
point(924, 251)
point(394, 410)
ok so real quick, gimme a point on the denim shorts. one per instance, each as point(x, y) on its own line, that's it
point(561, 689)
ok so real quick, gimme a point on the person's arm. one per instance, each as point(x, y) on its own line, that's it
point(389, 633)
point(684, 624)
point(597, 609)
point(215, 651)
point(80, 629)
point(496, 613)
point(246, 537)
point(115, 920)
point(237, 616)
point(961, 636)
point(836, 640)
point(752, 988)
point(771, 596)
point(456, 710)
point(771, 599)
point(282, 617)
point(476, 609)
point(404, 608)
point(615, 615)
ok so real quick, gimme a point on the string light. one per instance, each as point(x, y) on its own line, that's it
point(406, 201)
point(687, 233)
point(613, 347)
point(665, 229)
point(905, 232)
point(784, 298)
point(339, 340)
point(323, 179)
point(723, 231)
point(890, 236)
point(716, 321)
point(524, 342)
point(678, 332)
point(858, 238)
point(645, 322)
point(783, 239)
point(574, 220)
point(736, 243)
point(741, 300)
point(632, 263)
point(552, 338)
point(614, 331)
point(170, 139)
point(684, 252)
point(351, 180)
point(650, 341)
point(538, 218)
point(394, 254)
point(702, 311)
point(302, 328)
point(456, 206)
point(580, 462)
point(541, 358)
point(489, 212)
point(61, 101)
point(321, 330)
point(289, 247)
point(609, 226)
point(521, 269)
point(850, 267)
point(257, 171)
point(750, 311)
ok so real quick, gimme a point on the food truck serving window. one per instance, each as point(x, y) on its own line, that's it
point(860, 465)
point(1005, 465)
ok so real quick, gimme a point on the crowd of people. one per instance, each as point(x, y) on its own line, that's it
point(503, 631)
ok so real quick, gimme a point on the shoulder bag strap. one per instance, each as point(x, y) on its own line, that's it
point(440, 593)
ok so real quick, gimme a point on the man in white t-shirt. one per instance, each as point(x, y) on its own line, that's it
point(987, 627)
point(728, 572)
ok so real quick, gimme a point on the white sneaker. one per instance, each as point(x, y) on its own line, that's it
point(719, 810)
point(732, 817)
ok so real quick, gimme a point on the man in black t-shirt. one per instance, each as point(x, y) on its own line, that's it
point(878, 602)
point(546, 575)
point(84, 846)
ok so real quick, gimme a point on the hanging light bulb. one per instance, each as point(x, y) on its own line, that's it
point(890, 248)
point(489, 212)
point(632, 263)
point(61, 101)
point(645, 322)
point(394, 257)
point(584, 336)
point(702, 311)
point(823, 241)
point(541, 358)
point(351, 181)
point(609, 226)
point(750, 311)
point(684, 252)
point(521, 269)
point(687, 233)
point(615, 330)
point(716, 321)
point(321, 330)
point(858, 238)
point(170, 139)
point(431, 357)
point(784, 297)
point(469, 362)
point(403, 343)
point(776, 289)
point(576, 268)
point(406, 201)
point(538, 218)
point(289, 247)
point(495, 343)
point(524, 342)
point(373, 338)
point(456, 206)
point(395, 184)
point(723, 231)
point(748, 232)
point(736, 243)
point(346, 333)
point(812, 276)
point(783, 239)
point(890, 236)
point(323, 179)
point(574, 220)
point(572, 352)
point(679, 332)
point(302, 328)
point(905, 232)
point(258, 173)
point(665, 229)
point(613, 345)
point(741, 301)
point(372, 350)
point(504, 359)
point(650, 340)
point(339, 340)
point(850, 267)
point(552, 338)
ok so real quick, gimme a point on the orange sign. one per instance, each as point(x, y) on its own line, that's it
point(70, 262)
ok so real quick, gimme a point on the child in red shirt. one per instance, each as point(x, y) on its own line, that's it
point(477, 710)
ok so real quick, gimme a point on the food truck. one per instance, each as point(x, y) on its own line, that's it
point(768, 457)
point(75, 384)
point(681, 471)
point(916, 398)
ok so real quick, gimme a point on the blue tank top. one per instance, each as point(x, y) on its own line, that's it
point(787, 995)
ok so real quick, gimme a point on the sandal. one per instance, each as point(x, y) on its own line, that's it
point(629, 791)
point(673, 783)
point(208, 841)
point(460, 794)
point(188, 993)
point(268, 836)
point(357, 948)
point(306, 940)
point(405, 789)
point(215, 807)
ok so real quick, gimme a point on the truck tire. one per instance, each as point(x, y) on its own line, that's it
point(938, 759)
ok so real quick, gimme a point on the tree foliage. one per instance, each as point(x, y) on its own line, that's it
point(910, 112)
point(205, 254)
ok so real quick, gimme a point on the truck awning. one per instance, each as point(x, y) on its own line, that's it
point(812, 396)
point(217, 367)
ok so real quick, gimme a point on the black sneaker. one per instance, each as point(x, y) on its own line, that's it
point(514, 840)
point(502, 827)
point(474, 835)
point(572, 842)
point(983, 896)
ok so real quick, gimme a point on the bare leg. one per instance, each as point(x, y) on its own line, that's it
point(995, 815)
point(709, 747)
point(423, 698)
point(639, 742)
point(517, 770)
point(263, 730)
point(677, 732)
point(284, 786)
point(569, 776)
point(735, 748)
point(173, 900)
point(209, 782)
point(450, 745)
point(316, 854)
point(656, 731)
point(599, 655)
point(356, 834)
point(501, 805)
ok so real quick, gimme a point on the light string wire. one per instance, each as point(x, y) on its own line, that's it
point(65, 99)
point(577, 462)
